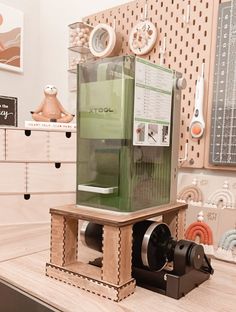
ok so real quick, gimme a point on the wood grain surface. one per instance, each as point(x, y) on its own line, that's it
point(28, 273)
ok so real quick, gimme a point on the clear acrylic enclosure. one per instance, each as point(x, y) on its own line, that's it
point(112, 172)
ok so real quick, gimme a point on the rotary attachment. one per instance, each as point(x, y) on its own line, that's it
point(160, 263)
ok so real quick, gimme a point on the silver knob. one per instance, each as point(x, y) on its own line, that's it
point(181, 83)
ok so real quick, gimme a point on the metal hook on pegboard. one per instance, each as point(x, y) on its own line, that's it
point(162, 51)
point(144, 16)
point(182, 160)
point(186, 17)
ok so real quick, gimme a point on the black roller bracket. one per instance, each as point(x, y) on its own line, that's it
point(68, 135)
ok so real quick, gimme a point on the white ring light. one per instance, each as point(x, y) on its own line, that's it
point(142, 37)
point(103, 41)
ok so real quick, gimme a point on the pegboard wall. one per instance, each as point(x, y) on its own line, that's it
point(188, 45)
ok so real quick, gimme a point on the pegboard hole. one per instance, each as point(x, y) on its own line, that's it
point(198, 155)
point(192, 148)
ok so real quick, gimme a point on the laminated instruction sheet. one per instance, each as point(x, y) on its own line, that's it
point(152, 105)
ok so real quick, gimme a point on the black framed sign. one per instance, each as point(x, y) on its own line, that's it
point(8, 111)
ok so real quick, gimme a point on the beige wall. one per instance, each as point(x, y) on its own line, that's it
point(24, 86)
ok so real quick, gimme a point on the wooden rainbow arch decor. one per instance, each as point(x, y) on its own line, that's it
point(225, 197)
point(190, 193)
point(201, 230)
point(226, 246)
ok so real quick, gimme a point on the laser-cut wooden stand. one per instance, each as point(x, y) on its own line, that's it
point(114, 280)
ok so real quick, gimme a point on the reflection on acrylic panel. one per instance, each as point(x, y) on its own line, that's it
point(11, 38)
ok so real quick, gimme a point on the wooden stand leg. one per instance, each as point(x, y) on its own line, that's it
point(64, 233)
point(57, 234)
point(176, 222)
point(181, 218)
point(70, 241)
point(117, 253)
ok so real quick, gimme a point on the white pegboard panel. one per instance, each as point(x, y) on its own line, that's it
point(188, 45)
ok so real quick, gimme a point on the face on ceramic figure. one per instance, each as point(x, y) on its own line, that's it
point(50, 90)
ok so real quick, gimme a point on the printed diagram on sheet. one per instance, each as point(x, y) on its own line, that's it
point(152, 105)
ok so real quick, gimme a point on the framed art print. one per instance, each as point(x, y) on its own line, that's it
point(8, 111)
point(11, 38)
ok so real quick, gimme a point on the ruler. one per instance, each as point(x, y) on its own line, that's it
point(223, 120)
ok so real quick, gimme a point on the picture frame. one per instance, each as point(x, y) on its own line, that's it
point(11, 38)
point(8, 111)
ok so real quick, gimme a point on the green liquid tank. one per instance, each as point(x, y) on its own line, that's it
point(126, 161)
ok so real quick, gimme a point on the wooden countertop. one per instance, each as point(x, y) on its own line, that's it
point(24, 251)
